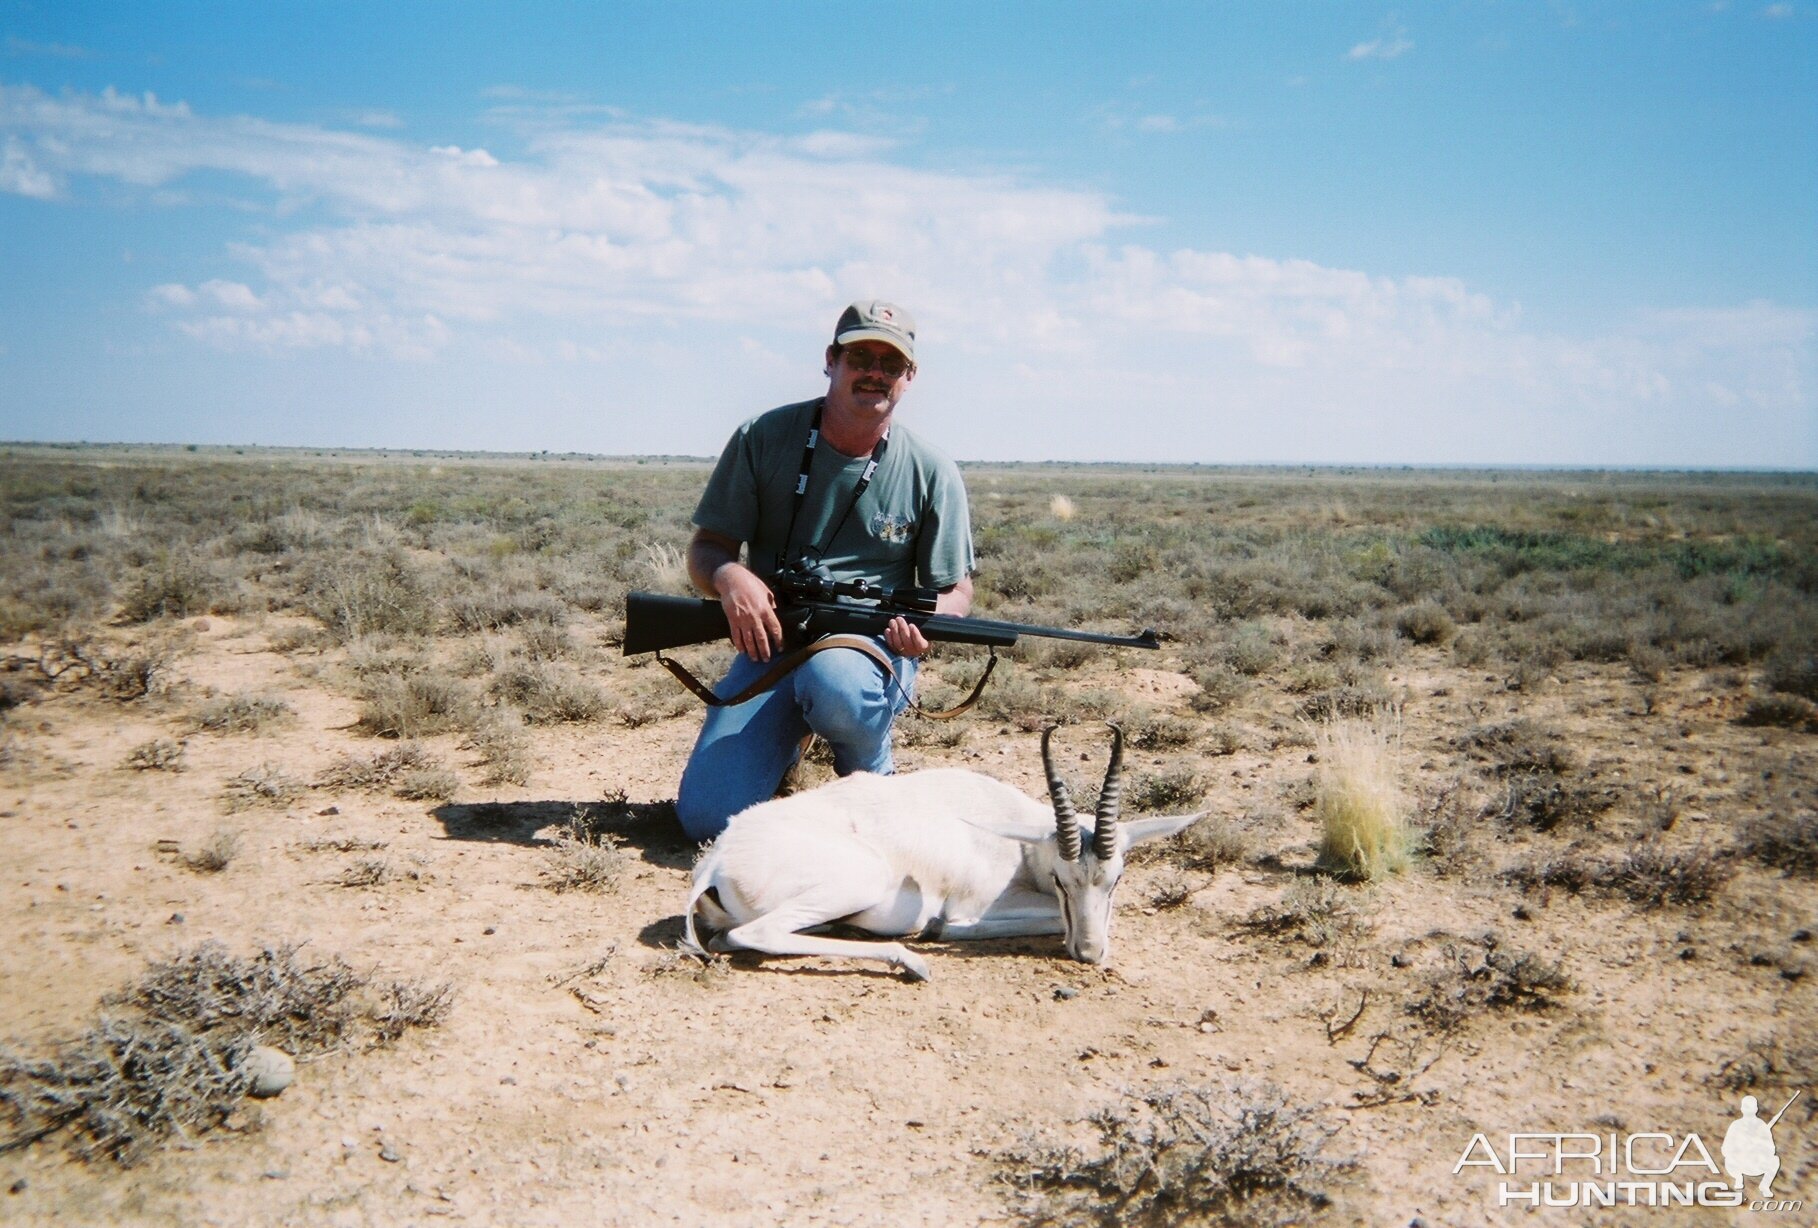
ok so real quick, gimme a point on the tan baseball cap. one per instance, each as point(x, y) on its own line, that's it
point(877, 321)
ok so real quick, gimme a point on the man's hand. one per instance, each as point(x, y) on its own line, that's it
point(904, 638)
point(750, 610)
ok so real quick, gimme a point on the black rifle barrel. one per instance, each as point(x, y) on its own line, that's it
point(654, 622)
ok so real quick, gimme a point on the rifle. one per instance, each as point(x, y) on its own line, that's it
point(814, 607)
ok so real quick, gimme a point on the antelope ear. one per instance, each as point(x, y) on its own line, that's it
point(1012, 827)
point(1140, 830)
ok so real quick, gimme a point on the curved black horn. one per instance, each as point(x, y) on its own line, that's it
point(1110, 800)
point(1066, 822)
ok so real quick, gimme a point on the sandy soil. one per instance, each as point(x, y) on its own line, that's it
point(804, 1092)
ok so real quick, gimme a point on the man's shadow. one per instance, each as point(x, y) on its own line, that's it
point(650, 828)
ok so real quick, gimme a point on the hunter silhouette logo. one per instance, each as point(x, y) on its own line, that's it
point(1748, 1146)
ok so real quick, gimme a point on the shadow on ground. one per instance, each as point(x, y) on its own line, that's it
point(649, 827)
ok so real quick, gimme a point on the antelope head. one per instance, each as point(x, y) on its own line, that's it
point(1086, 873)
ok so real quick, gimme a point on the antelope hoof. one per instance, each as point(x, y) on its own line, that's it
point(912, 966)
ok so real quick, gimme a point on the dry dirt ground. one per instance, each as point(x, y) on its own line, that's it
point(588, 1075)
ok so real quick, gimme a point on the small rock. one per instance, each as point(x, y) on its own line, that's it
point(1522, 913)
point(1398, 960)
point(272, 1071)
point(176, 918)
point(1065, 993)
point(1802, 935)
point(390, 1154)
point(19, 1186)
point(491, 929)
point(329, 811)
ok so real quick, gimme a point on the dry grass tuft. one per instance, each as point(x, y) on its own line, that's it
point(583, 859)
point(168, 1059)
point(267, 785)
point(215, 855)
point(1213, 1154)
point(1062, 508)
point(1358, 798)
point(240, 713)
point(157, 755)
point(1483, 976)
point(1786, 842)
point(407, 771)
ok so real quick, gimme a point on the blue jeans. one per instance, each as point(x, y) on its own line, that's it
point(743, 750)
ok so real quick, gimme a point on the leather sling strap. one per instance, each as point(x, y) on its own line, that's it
point(790, 661)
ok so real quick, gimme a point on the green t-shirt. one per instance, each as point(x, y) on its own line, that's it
point(909, 527)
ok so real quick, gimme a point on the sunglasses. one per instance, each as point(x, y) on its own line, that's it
point(891, 365)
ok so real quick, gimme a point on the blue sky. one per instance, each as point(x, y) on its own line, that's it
point(1463, 233)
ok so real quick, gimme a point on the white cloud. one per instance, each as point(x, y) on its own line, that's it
point(616, 245)
point(1390, 48)
point(172, 295)
point(21, 176)
point(1777, 12)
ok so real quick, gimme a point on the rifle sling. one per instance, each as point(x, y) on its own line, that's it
point(790, 661)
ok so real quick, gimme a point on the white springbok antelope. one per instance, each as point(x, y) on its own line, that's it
point(948, 854)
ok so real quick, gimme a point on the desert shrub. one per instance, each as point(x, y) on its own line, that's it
point(1649, 875)
point(1209, 845)
point(1358, 798)
point(1219, 685)
point(1649, 663)
point(265, 785)
point(504, 750)
point(240, 713)
point(1252, 650)
point(1148, 730)
point(216, 854)
point(1316, 910)
point(580, 859)
point(157, 755)
point(1346, 703)
point(1792, 669)
point(369, 872)
point(1771, 1061)
point(549, 694)
point(122, 1088)
point(1781, 712)
point(1178, 788)
point(1205, 1154)
point(1426, 623)
point(408, 771)
point(498, 608)
point(543, 641)
point(1570, 871)
point(1654, 877)
point(1520, 746)
point(76, 661)
point(1785, 842)
point(404, 1005)
point(299, 1006)
point(168, 1058)
point(367, 593)
point(427, 784)
point(416, 705)
point(176, 586)
point(1546, 802)
point(1483, 976)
